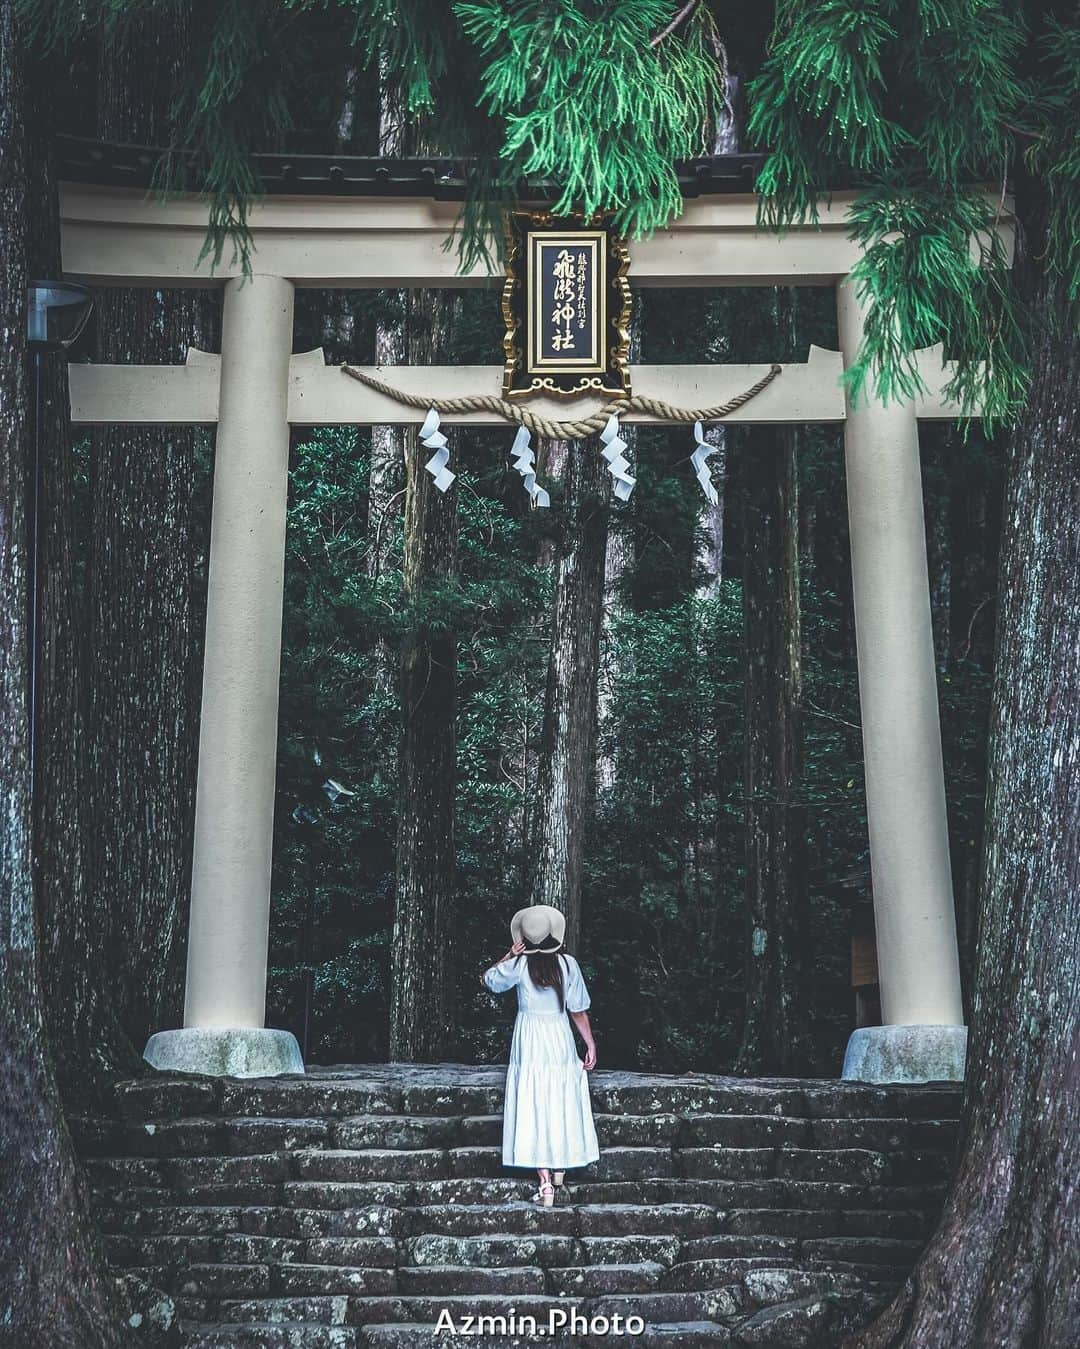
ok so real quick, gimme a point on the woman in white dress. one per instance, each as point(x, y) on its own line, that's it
point(547, 1118)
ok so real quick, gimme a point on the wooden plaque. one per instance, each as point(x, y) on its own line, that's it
point(566, 305)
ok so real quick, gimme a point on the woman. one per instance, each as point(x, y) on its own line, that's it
point(547, 1118)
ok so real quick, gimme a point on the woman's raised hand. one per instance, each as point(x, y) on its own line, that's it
point(518, 948)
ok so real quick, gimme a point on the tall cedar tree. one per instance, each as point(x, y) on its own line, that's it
point(427, 769)
point(567, 752)
point(144, 609)
point(50, 1272)
point(80, 1009)
point(777, 922)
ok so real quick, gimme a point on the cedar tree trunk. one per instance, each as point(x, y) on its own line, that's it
point(427, 766)
point(88, 1041)
point(52, 1290)
point(568, 742)
point(145, 607)
point(776, 902)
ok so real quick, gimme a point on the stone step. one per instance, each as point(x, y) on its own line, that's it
point(443, 1090)
point(149, 1236)
point(630, 1250)
point(676, 1335)
point(243, 1136)
point(508, 1280)
point(224, 1280)
point(360, 1220)
point(616, 1220)
point(723, 1304)
point(488, 1251)
point(808, 1223)
point(511, 1219)
point(338, 1310)
point(300, 1281)
point(727, 1194)
point(262, 1336)
point(862, 1250)
point(353, 1251)
point(772, 1285)
point(408, 1335)
point(690, 1276)
point(727, 1245)
point(351, 1206)
point(597, 1280)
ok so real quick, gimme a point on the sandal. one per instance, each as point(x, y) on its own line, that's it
point(545, 1195)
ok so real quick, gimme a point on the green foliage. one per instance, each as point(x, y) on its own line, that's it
point(934, 270)
point(1055, 151)
point(590, 105)
point(566, 90)
point(916, 106)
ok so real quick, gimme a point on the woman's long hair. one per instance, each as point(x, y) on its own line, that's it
point(546, 971)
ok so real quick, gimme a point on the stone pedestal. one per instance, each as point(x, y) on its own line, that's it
point(221, 1052)
point(906, 1054)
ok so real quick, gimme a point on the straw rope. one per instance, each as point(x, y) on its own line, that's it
point(568, 430)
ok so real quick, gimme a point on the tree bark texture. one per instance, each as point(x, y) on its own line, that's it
point(777, 926)
point(385, 482)
point(87, 1039)
point(566, 773)
point(427, 769)
point(52, 1290)
point(146, 601)
point(1003, 1268)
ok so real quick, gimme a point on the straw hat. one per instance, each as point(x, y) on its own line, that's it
point(536, 925)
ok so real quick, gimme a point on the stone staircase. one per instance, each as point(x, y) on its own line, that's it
point(356, 1206)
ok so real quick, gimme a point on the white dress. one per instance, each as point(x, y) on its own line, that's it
point(547, 1118)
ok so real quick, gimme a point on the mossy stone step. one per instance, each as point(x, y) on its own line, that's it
point(350, 1206)
point(599, 1279)
point(509, 1281)
point(489, 1251)
point(267, 1336)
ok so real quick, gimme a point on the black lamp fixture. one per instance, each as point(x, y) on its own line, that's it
point(56, 313)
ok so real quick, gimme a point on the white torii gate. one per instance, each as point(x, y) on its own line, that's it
point(255, 389)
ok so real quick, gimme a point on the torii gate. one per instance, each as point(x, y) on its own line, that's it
point(255, 389)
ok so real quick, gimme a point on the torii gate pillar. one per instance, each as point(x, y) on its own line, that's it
point(924, 1038)
point(225, 1000)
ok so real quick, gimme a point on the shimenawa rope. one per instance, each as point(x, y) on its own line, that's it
point(576, 430)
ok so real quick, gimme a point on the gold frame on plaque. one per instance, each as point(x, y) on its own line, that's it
point(606, 371)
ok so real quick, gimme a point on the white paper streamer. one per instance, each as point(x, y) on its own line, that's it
point(525, 463)
point(433, 439)
point(612, 446)
point(700, 461)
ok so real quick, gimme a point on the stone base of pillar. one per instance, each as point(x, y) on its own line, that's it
point(906, 1054)
point(225, 1053)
